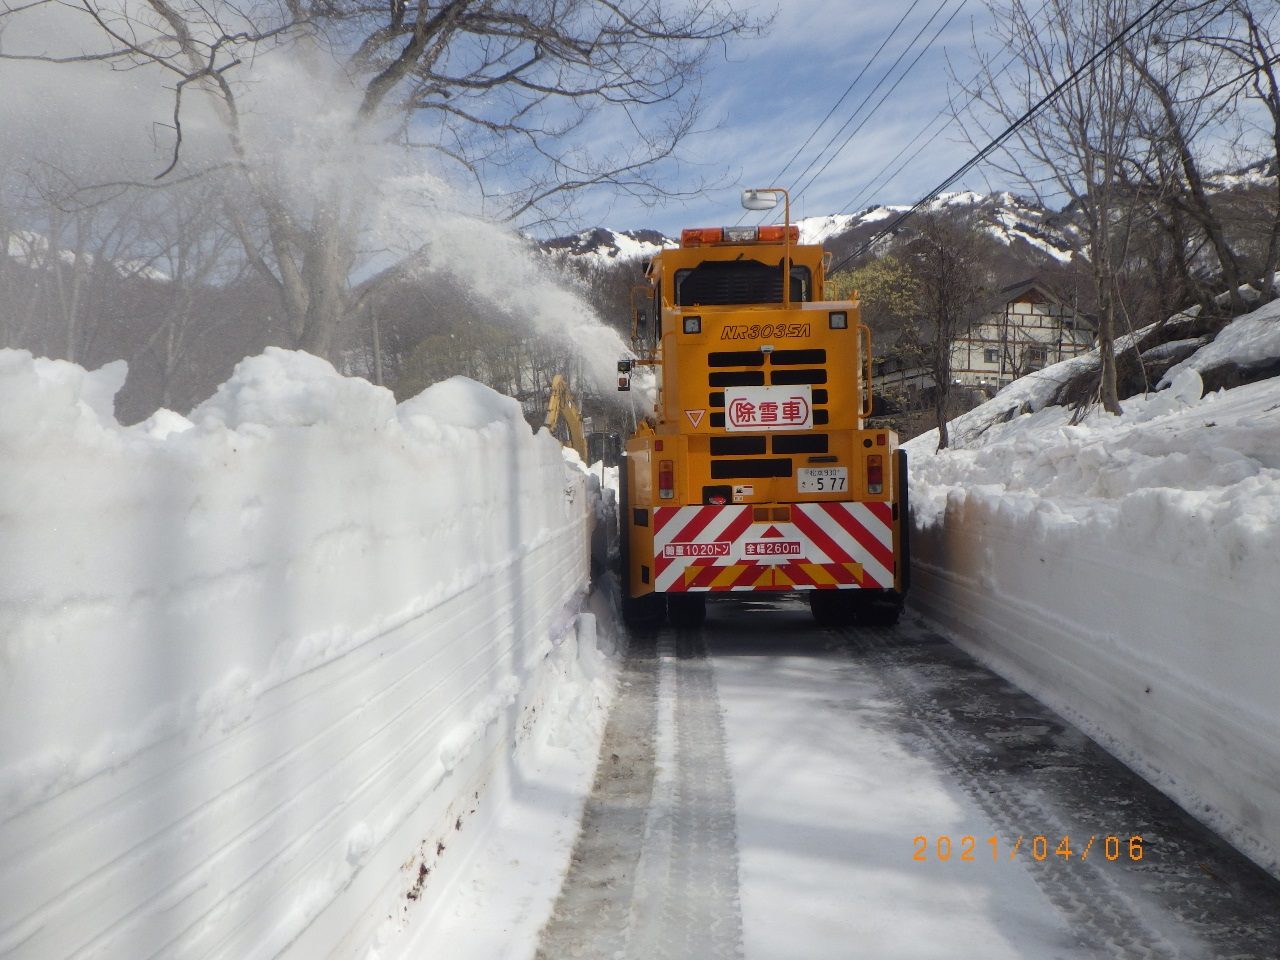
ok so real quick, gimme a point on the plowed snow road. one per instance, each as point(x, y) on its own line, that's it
point(772, 790)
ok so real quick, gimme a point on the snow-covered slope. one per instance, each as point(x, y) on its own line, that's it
point(602, 245)
point(31, 249)
point(1023, 226)
point(264, 669)
point(1260, 175)
point(821, 229)
point(1125, 568)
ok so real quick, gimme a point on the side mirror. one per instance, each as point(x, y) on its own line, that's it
point(624, 375)
point(759, 199)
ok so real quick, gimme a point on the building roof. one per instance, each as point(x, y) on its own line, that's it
point(1015, 291)
point(1033, 291)
point(924, 333)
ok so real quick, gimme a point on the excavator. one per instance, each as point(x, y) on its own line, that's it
point(561, 407)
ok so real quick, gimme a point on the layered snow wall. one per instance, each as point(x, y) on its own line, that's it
point(259, 666)
point(1125, 570)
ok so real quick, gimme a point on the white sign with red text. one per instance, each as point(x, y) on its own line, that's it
point(768, 408)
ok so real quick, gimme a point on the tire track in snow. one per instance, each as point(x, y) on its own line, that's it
point(687, 899)
point(1101, 914)
point(654, 874)
point(591, 913)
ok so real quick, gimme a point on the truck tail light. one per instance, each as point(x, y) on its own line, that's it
point(875, 473)
point(666, 480)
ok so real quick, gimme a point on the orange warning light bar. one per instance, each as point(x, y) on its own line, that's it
point(697, 236)
point(774, 234)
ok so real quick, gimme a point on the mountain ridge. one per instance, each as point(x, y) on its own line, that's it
point(1032, 233)
point(1022, 225)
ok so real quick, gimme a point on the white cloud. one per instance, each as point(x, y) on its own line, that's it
point(762, 104)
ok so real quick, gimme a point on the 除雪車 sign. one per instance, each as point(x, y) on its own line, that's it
point(768, 408)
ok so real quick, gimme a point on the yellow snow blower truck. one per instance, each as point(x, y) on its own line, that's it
point(755, 472)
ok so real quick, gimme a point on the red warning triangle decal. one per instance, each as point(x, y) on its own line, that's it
point(773, 533)
point(695, 416)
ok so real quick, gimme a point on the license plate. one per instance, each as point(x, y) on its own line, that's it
point(823, 479)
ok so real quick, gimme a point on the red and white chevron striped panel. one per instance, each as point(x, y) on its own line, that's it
point(823, 546)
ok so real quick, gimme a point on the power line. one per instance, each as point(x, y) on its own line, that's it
point(1150, 13)
point(888, 93)
point(872, 182)
point(849, 89)
point(879, 83)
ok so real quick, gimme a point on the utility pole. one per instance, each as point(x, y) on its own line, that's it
point(377, 345)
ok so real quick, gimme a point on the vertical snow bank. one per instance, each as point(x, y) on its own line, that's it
point(258, 666)
point(1125, 571)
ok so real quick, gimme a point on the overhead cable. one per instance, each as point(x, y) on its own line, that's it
point(847, 90)
point(1150, 13)
point(879, 83)
point(888, 93)
point(875, 179)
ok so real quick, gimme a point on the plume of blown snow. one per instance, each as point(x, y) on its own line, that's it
point(500, 268)
point(302, 140)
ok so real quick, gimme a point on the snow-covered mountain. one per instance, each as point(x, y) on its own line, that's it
point(606, 246)
point(31, 249)
point(1030, 231)
point(1022, 225)
point(1255, 176)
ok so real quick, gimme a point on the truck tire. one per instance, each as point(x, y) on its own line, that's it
point(687, 611)
point(644, 613)
point(624, 527)
point(881, 611)
point(832, 608)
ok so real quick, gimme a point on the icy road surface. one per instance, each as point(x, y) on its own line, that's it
point(772, 790)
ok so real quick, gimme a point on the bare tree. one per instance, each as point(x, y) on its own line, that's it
point(20, 248)
point(189, 250)
point(949, 261)
point(1184, 105)
point(516, 93)
point(67, 255)
point(1249, 41)
point(1080, 144)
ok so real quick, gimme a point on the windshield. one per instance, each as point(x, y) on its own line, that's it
point(717, 282)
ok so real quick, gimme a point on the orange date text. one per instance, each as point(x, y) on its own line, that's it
point(944, 848)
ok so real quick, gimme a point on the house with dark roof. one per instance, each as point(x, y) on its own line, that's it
point(1024, 328)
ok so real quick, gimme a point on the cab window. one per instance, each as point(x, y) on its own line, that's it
point(719, 282)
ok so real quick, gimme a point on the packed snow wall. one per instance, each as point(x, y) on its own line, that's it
point(259, 665)
point(1125, 571)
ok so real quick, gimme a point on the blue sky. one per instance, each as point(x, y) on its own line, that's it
point(761, 99)
point(768, 96)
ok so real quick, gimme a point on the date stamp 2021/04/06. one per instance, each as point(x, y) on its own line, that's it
point(969, 849)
